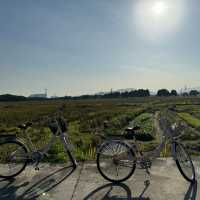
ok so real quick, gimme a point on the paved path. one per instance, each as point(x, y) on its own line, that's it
point(57, 182)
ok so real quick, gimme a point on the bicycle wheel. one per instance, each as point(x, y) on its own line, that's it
point(184, 162)
point(13, 158)
point(116, 161)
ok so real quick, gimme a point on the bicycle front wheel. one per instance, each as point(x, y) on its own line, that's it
point(13, 158)
point(184, 162)
point(116, 161)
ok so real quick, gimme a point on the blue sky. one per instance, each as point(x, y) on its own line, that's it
point(76, 47)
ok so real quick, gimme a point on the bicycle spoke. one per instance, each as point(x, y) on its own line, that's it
point(126, 163)
point(114, 161)
point(117, 170)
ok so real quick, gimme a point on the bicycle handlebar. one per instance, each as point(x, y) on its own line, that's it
point(58, 123)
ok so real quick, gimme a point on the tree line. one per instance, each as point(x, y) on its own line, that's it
point(133, 93)
point(167, 93)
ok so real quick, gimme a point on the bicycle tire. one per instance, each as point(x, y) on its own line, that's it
point(179, 163)
point(130, 154)
point(25, 161)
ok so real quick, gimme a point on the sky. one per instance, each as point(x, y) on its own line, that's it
point(74, 47)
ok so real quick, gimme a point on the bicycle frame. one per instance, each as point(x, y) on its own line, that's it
point(155, 152)
point(119, 153)
point(43, 151)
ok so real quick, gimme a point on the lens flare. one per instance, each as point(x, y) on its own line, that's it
point(157, 19)
point(159, 8)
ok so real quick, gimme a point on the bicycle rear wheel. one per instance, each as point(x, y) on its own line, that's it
point(184, 162)
point(116, 161)
point(13, 158)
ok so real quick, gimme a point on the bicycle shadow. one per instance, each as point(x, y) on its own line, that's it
point(9, 189)
point(192, 192)
point(31, 190)
point(106, 192)
point(113, 191)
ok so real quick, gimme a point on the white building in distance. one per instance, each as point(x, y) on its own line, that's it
point(39, 95)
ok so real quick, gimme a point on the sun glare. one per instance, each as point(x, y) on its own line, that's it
point(156, 19)
point(159, 8)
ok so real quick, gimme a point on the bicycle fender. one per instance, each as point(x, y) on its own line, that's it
point(107, 142)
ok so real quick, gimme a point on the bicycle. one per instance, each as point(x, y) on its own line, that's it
point(117, 159)
point(15, 154)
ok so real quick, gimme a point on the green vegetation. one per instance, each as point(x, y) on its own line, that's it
point(86, 121)
point(191, 120)
point(145, 120)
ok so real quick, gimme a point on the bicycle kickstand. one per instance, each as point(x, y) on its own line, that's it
point(147, 180)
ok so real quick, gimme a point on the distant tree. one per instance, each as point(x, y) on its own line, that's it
point(143, 93)
point(173, 93)
point(10, 97)
point(185, 94)
point(133, 93)
point(163, 92)
point(138, 93)
point(194, 93)
point(112, 95)
point(66, 97)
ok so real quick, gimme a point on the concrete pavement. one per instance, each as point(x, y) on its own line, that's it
point(58, 182)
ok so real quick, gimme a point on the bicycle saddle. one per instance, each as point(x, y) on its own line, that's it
point(25, 126)
point(59, 121)
point(132, 129)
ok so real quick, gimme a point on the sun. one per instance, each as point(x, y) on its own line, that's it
point(159, 8)
point(156, 19)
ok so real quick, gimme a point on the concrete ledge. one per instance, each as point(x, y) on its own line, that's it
point(59, 182)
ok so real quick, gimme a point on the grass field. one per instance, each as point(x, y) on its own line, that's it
point(191, 120)
point(85, 118)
